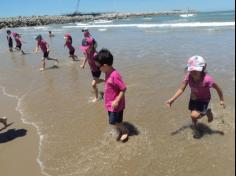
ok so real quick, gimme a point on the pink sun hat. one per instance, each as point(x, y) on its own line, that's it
point(196, 63)
point(87, 43)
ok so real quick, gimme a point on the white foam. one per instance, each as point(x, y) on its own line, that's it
point(102, 29)
point(153, 25)
point(187, 15)
point(102, 21)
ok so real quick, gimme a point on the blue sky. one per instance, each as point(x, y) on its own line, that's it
point(57, 7)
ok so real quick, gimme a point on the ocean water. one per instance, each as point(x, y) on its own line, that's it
point(151, 54)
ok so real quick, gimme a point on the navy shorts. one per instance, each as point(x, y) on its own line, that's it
point(96, 74)
point(19, 46)
point(72, 52)
point(10, 44)
point(45, 55)
point(115, 117)
point(200, 106)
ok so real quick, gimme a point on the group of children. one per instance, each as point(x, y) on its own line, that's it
point(114, 87)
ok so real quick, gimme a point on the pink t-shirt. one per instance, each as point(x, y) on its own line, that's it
point(17, 39)
point(43, 45)
point(113, 86)
point(91, 61)
point(201, 89)
point(69, 45)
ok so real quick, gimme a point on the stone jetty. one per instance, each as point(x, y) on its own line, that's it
point(23, 21)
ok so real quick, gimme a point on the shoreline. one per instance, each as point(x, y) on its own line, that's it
point(25, 21)
point(19, 141)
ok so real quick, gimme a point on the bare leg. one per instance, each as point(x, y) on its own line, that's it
point(94, 85)
point(209, 115)
point(74, 58)
point(43, 64)
point(95, 89)
point(195, 115)
point(56, 60)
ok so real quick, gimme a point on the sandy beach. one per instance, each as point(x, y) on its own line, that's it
point(57, 131)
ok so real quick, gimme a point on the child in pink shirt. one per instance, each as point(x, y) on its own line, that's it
point(200, 83)
point(88, 48)
point(114, 92)
point(45, 49)
point(68, 44)
point(17, 38)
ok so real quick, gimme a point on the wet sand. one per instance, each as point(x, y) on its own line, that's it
point(19, 142)
point(75, 136)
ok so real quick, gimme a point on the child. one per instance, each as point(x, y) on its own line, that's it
point(45, 49)
point(50, 34)
point(114, 93)
point(68, 43)
point(89, 50)
point(3, 120)
point(200, 83)
point(9, 39)
point(18, 42)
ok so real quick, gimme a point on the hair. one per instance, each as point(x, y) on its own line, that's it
point(104, 56)
point(8, 31)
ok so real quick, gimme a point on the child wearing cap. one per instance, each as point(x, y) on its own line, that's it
point(114, 93)
point(88, 48)
point(68, 44)
point(45, 49)
point(17, 38)
point(200, 83)
point(9, 40)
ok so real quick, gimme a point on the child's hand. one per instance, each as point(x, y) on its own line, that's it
point(222, 103)
point(168, 103)
point(114, 104)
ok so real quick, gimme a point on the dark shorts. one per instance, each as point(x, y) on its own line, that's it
point(10, 44)
point(96, 74)
point(72, 52)
point(115, 117)
point(18, 46)
point(45, 55)
point(200, 106)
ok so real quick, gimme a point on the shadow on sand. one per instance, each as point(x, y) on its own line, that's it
point(202, 129)
point(11, 134)
point(132, 130)
point(52, 67)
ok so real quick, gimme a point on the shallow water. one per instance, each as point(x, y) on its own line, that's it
point(75, 136)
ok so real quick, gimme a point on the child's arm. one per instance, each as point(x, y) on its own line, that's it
point(220, 93)
point(115, 103)
point(177, 94)
point(48, 47)
point(37, 48)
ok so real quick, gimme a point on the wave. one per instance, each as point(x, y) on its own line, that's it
point(164, 25)
point(102, 21)
point(187, 15)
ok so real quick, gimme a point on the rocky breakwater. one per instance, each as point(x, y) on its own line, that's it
point(20, 21)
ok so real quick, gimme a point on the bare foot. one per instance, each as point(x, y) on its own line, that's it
point(95, 100)
point(124, 137)
point(209, 115)
point(42, 69)
point(3, 120)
